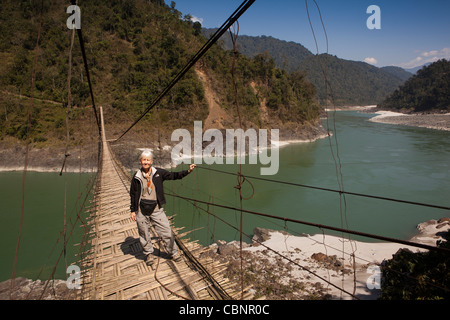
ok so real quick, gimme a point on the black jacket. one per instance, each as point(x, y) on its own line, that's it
point(159, 175)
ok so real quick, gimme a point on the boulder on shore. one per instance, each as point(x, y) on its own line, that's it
point(261, 235)
point(432, 231)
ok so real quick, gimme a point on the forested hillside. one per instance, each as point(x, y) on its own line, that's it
point(134, 49)
point(427, 91)
point(398, 72)
point(351, 82)
point(287, 54)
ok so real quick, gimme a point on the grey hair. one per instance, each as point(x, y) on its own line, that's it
point(146, 154)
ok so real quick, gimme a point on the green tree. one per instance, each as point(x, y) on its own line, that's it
point(417, 276)
point(427, 91)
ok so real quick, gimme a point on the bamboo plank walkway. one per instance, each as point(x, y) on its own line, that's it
point(113, 266)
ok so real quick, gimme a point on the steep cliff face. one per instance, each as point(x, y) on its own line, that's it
point(217, 117)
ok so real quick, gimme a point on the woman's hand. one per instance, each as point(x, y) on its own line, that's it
point(133, 216)
point(191, 167)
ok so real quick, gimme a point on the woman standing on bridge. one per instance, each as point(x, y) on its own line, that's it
point(147, 200)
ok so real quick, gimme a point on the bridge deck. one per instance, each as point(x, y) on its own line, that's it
point(114, 265)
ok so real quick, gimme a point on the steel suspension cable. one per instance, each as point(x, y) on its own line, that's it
point(287, 219)
point(269, 248)
point(334, 190)
point(86, 67)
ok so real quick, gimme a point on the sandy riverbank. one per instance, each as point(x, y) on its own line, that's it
point(351, 108)
point(430, 121)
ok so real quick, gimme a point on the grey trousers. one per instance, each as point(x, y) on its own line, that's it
point(162, 227)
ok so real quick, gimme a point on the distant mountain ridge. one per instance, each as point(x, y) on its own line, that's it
point(352, 82)
point(398, 72)
point(287, 54)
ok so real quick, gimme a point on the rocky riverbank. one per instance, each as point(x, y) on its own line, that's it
point(436, 121)
point(85, 158)
point(26, 289)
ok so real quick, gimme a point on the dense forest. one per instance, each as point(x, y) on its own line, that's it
point(427, 91)
point(134, 49)
point(398, 72)
point(287, 55)
point(348, 82)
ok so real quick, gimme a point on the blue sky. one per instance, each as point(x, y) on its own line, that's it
point(412, 32)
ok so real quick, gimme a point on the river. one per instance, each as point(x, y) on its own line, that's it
point(400, 162)
point(42, 237)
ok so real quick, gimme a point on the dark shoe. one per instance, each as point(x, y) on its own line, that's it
point(176, 257)
point(150, 260)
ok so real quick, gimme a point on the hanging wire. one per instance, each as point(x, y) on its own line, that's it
point(336, 158)
point(210, 205)
point(422, 204)
point(86, 67)
point(27, 147)
point(354, 232)
point(193, 202)
point(234, 35)
point(66, 153)
point(321, 227)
